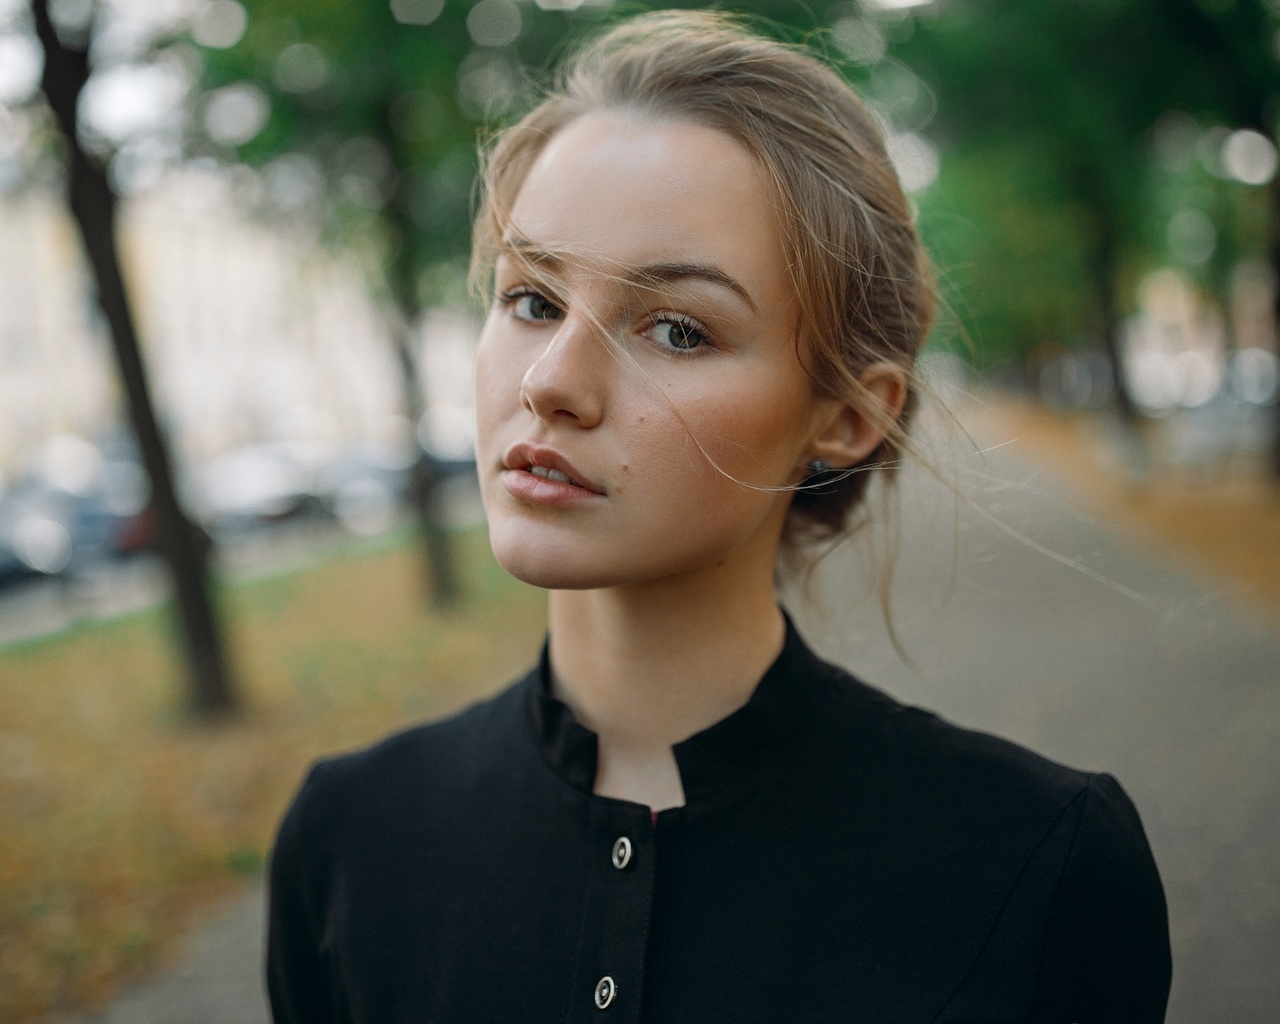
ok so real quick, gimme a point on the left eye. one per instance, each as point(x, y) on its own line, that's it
point(679, 335)
point(532, 307)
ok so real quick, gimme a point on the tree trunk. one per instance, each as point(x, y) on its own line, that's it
point(1104, 267)
point(92, 205)
point(1275, 337)
point(400, 275)
point(441, 583)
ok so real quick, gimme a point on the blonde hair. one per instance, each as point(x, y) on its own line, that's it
point(862, 279)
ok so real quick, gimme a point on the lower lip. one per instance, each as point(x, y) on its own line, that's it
point(538, 490)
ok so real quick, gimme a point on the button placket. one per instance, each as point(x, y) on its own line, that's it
point(615, 937)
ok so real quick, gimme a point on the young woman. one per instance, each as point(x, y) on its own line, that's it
point(708, 295)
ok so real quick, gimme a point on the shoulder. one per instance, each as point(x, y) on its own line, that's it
point(931, 753)
point(1053, 859)
point(979, 796)
point(411, 769)
point(1107, 955)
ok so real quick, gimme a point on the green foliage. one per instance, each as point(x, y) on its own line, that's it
point(387, 113)
point(1049, 203)
point(1010, 249)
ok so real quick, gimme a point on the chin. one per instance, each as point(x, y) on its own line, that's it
point(579, 566)
point(537, 572)
point(568, 562)
point(544, 566)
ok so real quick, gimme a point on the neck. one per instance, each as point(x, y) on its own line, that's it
point(646, 666)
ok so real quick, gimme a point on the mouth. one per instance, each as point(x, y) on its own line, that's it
point(547, 473)
point(547, 464)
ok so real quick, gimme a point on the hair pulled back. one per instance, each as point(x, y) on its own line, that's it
point(862, 280)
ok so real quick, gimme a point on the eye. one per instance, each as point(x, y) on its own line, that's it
point(532, 307)
point(679, 333)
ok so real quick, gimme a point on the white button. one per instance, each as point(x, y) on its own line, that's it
point(605, 992)
point(621, 852)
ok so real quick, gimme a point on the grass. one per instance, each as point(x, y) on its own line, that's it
point(119, 817)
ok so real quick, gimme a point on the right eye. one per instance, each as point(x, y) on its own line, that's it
point(533, 308)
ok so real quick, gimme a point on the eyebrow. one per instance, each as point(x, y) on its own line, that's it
point(648, 274)
point(698, 271)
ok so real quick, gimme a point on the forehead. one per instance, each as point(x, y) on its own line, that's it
point(635, 190)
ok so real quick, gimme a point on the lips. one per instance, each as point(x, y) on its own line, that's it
point(547, 464)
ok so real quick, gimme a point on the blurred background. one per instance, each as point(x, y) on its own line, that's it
point(238, 518)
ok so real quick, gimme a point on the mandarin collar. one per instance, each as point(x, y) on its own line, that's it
point(719, 760)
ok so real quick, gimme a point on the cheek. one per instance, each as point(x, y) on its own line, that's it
point(497, 387)
point(716, 453)
point(752, 434)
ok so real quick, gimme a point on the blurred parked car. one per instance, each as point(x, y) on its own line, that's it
point(36, 530)
point(365, 484)
point(71, 504)
point(258, 484)
point(74, 502)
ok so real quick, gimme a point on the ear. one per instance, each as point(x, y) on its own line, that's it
point(848, 433)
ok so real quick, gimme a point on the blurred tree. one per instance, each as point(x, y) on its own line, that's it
point(1061, 80)
point(1011, 248)
point(366, 117)
point(93, 206)
point(1239, 45)
point(1081, 83)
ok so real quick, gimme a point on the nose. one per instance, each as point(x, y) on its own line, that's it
point(568, 380)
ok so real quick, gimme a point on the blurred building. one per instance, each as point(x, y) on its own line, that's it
point(252, 334)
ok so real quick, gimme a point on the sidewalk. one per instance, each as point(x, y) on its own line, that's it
point(217, 981)
point(1219, 519)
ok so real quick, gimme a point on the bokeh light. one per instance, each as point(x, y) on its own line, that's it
point(494, 23)
point(416, 12)
point(236, 113)
point(1249, 157)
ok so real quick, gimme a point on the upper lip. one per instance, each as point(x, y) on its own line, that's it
point(524, 454)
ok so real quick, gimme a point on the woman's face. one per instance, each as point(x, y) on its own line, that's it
point(637, 382)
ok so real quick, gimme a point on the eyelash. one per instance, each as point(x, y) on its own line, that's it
point(509, 298)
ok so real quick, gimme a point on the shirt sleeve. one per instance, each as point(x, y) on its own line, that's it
point(1106, 954)
point(298, 986)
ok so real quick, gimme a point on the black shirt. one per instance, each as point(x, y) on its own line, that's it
point(840, 857)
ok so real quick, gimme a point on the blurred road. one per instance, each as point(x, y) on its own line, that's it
point(1161, 679)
